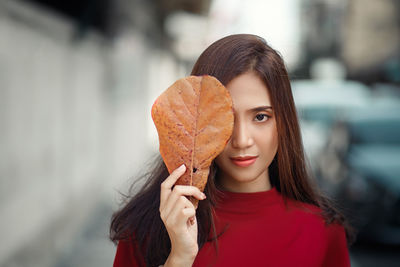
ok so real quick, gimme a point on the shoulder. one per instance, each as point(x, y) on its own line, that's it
point(310, 217)
point(311, 240)
point(328, 241)
point(301, 211)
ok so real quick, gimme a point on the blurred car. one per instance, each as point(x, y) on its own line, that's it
point(320, 103)
point(351, 135)
point(360, 168)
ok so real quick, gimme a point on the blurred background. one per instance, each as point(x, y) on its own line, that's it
point(78, 78)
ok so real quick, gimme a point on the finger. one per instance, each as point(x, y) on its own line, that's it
point(169, 182)
point(174, 176)
point(177, 192)
point(179, 216)
point(191, 214)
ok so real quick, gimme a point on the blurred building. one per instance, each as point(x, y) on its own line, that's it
point(363, 35)
point(77, 80)
point(371, 41)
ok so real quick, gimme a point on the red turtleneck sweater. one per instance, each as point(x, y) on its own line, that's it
point(259, 230)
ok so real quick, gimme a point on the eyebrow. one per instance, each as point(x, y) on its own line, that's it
point(261, 108)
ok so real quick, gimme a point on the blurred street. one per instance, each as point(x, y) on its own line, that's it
point(91, 246)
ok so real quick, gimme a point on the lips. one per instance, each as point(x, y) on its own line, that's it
point(244, 161)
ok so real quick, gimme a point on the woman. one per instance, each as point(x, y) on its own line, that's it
point(260, 207)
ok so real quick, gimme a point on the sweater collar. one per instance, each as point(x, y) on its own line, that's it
point(247, 202)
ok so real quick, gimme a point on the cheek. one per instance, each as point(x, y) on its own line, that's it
point(269, 140)
point(275, 146)
point(274, 139)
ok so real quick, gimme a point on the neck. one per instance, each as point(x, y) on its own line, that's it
point(257, 185)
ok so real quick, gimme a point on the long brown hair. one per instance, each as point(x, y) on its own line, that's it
point(226, 59)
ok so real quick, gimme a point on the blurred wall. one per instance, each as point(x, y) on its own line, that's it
point(73, 116)
point(53, 121)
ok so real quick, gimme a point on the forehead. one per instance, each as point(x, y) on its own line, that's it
point(247, 91)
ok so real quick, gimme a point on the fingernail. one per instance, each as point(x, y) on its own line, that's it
point(182, 167)
point(203, 195)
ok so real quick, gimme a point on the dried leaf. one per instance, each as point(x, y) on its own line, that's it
point(194, 121)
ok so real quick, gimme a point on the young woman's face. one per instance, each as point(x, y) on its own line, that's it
point(243, 164)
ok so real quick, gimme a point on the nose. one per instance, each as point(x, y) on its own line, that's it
point(241, 136)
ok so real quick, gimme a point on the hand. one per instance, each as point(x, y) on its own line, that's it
point(179, 217)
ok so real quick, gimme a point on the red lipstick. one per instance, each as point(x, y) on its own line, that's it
point(244, 161)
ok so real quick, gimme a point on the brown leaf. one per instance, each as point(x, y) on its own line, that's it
point(194, 121)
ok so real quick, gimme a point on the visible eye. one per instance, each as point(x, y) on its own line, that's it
point(261, 117)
